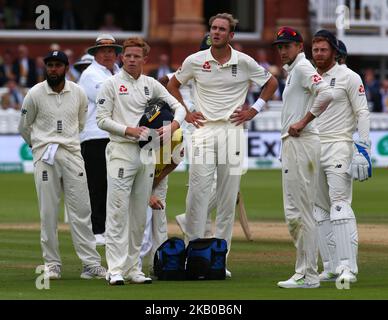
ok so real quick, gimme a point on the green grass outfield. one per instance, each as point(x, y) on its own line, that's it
point(256, 266)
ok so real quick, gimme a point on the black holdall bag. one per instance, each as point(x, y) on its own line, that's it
point(206, 259)
point(169, 260)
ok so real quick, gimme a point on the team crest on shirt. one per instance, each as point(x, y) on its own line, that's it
point(361, 90)
point(234, 70)
point(316, 79)
point(123, 90)
point(206, 67)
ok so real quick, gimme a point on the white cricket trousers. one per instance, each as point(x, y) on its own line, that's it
point(156, 227)
point(130, 173)
point(67, 174)
point(337, 227)
point(217, 146)
point(300, 162)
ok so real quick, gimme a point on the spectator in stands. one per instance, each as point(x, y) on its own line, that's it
point(6, 15)
point(72, 74)
point(83, 63)
point(24, 68)
point(15, 93)
point(384, 95)
point(163, 69)
point(372, 90)
point(109, 23)
point(55, 47)
point(40, 69)
point(6, 68)
point(277, 73)
point(68, 18)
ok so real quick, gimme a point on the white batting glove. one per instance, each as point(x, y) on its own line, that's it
point(361, 165)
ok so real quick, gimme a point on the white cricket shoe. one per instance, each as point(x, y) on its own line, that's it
point(100, 239)
point(296, 284)
point(228, 274)
point(345, 275)
point(90, 272)
point(140, 278)
point(115, 280)
point(327, 276)
point(181, 221)
point(52, 271)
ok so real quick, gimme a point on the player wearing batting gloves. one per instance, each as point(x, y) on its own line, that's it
point(130, 173)
point(305, 97)
point(341, 160)
point(221, 80)
point(53, 114)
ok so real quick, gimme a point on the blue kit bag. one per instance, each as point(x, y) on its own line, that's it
point(169, 260)
point(206, 259)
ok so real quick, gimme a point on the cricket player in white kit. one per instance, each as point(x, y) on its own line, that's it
point(221, 80)
point(341, 159)
point(305, 97)
point(53, 114)
point(130, 173)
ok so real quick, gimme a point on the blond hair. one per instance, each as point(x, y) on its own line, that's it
point(137, 42)
point(226, 16)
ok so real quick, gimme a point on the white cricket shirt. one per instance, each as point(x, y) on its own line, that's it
point(50, 117)
point(348, 107)
point(303, 84)
point(122, 100)
point(220, 89)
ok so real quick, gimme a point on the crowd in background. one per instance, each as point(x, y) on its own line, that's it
point(18, 72)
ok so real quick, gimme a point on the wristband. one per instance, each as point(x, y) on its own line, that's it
point(259, 104)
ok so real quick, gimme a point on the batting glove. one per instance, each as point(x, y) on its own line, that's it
point(361, 166)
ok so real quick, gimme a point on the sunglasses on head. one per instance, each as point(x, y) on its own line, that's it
point(286, 30)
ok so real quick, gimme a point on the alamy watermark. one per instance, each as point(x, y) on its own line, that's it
point(42, 22)
point(43, 280)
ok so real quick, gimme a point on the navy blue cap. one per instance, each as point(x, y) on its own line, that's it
point(57, 55)
point(343, 52)
point(329, 37)
point(206, 42)
point(287, 34)
point(156, 114)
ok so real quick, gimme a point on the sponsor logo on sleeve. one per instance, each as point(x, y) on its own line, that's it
point(361, 90)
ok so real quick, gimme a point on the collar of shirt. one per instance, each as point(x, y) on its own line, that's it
point(66, 88)
point(116, 68)
point(331, 71)
point(299, 57)
point(233, 57)
point(126, 76)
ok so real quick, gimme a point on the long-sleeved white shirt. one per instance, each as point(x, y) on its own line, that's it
point(91, 81)
point(348, 109)
point(303, 86)
point(122, 101)
point(50, 117)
